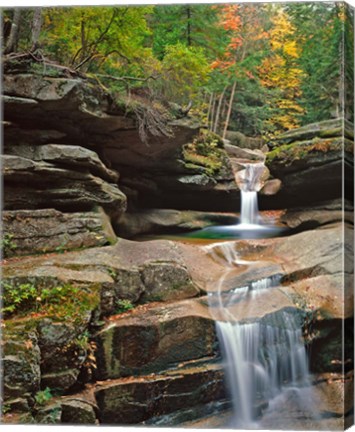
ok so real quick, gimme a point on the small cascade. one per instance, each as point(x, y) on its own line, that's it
point(264, 357)
point(249, 214)
point(250, 181)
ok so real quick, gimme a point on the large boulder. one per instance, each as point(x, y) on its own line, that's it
point(325, 129)
point(128, 271)
point(64, 188)
point(39, 231)
point(20, 366)
point(154, 339)
point(137, 400)
point(311, 162)
point(239, 139)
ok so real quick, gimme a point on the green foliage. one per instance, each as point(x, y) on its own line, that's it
point(92, 37)
point(185, 71)
point(285, 60)
point(60, 301)
point(43, 396)
point(82, 341)
point(123, 306)
point(7, 244)
point(320, 28)
point(17, 297)
point(5, 408)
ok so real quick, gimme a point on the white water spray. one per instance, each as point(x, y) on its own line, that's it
point(249, 214)
point(265, 357)
point(250, 181)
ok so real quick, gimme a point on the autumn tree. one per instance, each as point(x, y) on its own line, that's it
point(280, 73)
point(245, 27)
point(89, 38)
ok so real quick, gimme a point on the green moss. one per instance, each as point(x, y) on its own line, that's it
point(61, 301)
point(8, 246)
point(206, 151)
point(123, 306)
point(299, 150)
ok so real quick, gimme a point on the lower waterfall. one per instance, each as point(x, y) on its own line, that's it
point(265, 358)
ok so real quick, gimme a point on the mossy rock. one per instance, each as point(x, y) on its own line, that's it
point(206, 151)
point(288, 154)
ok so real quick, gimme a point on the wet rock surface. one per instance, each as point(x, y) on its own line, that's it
point(155, 340)
point(136, 400)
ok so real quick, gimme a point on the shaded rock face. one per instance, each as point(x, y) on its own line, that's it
point(66, 125)
point(64, 189)
point(309, 163)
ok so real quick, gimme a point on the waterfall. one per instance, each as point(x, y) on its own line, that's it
point(249, 214)
point(264, 357)
point(250, 181)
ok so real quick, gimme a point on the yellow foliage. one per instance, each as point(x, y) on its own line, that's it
point(280, 72)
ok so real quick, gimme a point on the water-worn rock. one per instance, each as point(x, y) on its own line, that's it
point(136, 400)
point(154, 338)
point(64, 189)
point(158, 221)
point(167, 281)
point(47, 230)
point(127, 270)
point(244, 153)
point(271, 187)
point(312, 218)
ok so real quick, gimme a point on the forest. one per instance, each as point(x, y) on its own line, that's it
point(257, 69)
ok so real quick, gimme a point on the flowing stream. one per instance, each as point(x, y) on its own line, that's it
point(264, 353)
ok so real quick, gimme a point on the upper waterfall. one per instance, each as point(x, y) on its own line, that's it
point(250, 180)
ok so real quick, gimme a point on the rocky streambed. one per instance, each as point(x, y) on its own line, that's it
point(162, 356)
point(101, 329)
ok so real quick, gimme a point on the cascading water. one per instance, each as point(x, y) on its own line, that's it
point(265, 357)
point(250, 181)
point(249, 214)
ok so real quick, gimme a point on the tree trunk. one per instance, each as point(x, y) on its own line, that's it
point(213, 112)
point(218, 113)
point(209, 110)
point(36, 28)
point(229, 109)
point(12, 42)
